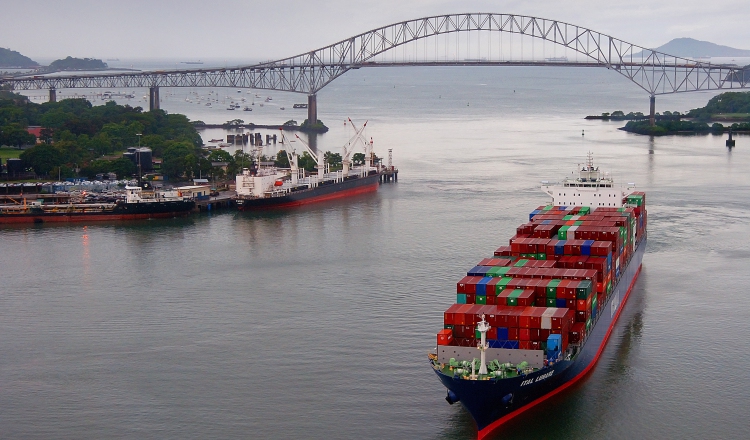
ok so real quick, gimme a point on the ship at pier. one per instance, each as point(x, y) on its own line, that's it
point(138, 204)
point(534, 318)
point(267, 187)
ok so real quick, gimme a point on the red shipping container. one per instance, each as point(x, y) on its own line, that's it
point(513, 333)
point(560, 318)
point(449, 317)
point(467, 284)
point(570, 304)
point(445, 337)
point(514, 316)
point(544, 334)
point(526, 298)
point(524, 334)
point(524, 345)
point(582, 315)
point(492, 333)
point(577, 332)
point(503, 251)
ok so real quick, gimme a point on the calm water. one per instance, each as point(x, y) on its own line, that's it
point(315, 323)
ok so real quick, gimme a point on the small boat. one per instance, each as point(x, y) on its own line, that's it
point(299, 106)
point(247, 109)
point(208, 104)
point(231, 107)
point(282, 108)
point(269, 99)
point(216, 140)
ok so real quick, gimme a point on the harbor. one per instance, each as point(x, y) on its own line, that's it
point(319, 320)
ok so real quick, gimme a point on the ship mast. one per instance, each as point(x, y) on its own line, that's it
point(482, 327)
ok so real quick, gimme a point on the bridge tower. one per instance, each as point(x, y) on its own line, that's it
point(153, 98)
point(312, 109)
point(652, 114)
point(52, 95)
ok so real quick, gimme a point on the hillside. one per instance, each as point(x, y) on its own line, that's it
point(71, 63)
point(690, 48)
point(11, 58)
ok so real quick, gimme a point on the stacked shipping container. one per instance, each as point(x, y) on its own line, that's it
point(552, 278)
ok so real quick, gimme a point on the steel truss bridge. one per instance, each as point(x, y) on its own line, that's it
point(655, 72)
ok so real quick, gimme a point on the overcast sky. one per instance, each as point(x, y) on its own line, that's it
point(259, 30)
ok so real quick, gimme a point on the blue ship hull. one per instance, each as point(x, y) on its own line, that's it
point(493, 402)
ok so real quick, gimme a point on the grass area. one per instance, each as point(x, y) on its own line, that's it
point(9, 153)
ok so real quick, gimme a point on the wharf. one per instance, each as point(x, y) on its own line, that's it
point(225, 199)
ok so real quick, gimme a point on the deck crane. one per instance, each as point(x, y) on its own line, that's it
point(318, 158)
point(292, 157)
point(349, 147)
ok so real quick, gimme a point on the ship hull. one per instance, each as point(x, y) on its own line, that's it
point(122, 211)
point(318, 194)
point(494, 402)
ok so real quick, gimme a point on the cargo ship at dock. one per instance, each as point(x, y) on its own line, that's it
point(269, 187)
point(137, 205)
point(533, 319)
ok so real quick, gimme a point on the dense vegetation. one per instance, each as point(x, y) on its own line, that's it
point(725, 103)
point(76, 134)
point(11, 58)
point(71, 63)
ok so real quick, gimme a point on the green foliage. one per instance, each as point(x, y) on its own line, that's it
point(318, 127)
point(332, 158)
point(80, 132)
point(282, 161)
point(717, 128)
point(729, 102)
point(42, 158)
point(180, 160)
point(15, 135)
point(617, 114)
point(123, 167)
point(666, 127)
point(307, 162)
point(358, 158)
point(290, 123)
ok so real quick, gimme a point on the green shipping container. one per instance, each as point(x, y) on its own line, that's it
point(584, 210)
point(551, 302)
point(541, 256)
point(588, 325)
point(481, 299)
point(578, 223)
point(521, 263)
point(547, 208)
point(477, 334)
point(552, 288)
point(513, 297)
point(584, 289)
point(500, 286)
point(504, 271)
point(494, 272)
point(562, 234)
point(448, 326)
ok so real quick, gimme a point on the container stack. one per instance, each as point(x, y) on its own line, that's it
point(553, 277)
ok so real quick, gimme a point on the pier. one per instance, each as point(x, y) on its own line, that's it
point(225, 200)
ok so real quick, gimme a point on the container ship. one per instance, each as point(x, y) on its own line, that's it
point(533, 319)
point(138, 204)
point(269, 186)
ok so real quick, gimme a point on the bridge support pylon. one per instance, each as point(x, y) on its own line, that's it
point(652, 114)
point(153, 98)
point(312, 109)
point(52, 95)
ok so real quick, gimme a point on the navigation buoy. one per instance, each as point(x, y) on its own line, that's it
point(582, 134)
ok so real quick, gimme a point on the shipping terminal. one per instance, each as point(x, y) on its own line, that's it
point(534, 318)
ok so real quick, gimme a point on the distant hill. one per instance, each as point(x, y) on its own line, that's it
point(11, 58)
point(71, 63)
point(690, 48)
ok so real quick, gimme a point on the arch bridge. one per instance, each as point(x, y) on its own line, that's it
point(655, 72)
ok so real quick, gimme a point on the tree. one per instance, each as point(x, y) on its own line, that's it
point(178, 160)
point(333, 159)
point(358, 158)
point(282, 161)
point(42, 158)
point(15, 135)
point(307, 162)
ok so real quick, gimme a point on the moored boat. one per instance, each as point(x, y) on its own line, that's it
point(138, 204)
point(534, 318)
point(273, 187)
